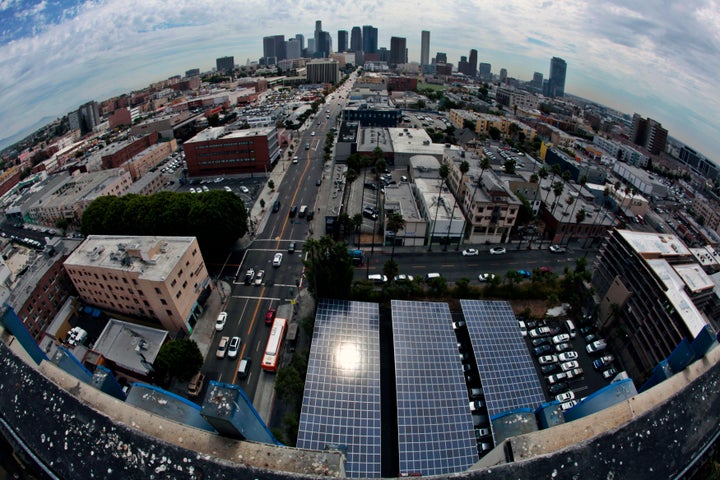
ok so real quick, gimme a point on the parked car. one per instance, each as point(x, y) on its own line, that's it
point(557, 249)
point(277, 260)
point(244, 189)
point(586, 330)
point(561, 347)
point(609, 373)
point(497, 250)
point(270, 316)
point(558, 388)
point(476, 405)
point(575, 373)
point(567, 356)
point(590, 338)
point(220, 322)
point(458, 324)
point(565, 366)
point(233, 347)
point(536, 342)
point(470, 252)
point(259, 275)
point(403, 278)
point(196, 384)
point(539, 332)
point(524, 273)
point(222, 347)
point(377, 278)
point(596, 346)
point(563, 337)
point(481, 433)
point(542, 350)
point(555, 378)
point(568, 405)
point(603, 362)
point(549, 368)
point(544, 360)
point(564, 397)
point(523, 328)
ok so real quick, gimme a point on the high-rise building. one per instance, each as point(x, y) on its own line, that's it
point(342, 41)
point(441, 57)
point(323, 44)
point(193, 72)
point(323, 71)
point(485, 71)
point(463, 66)
point(356, 40)
point(556, 83)
point(225, 64)
point(398, 51)
point(293, 49)
point(649, 134)
point(424, 47)
point(370, 39)
point(537, 80)
point(472, 63)
point(301, 38)
point(503, 75)
point(89, 116)
point(311, 47)
point(274, 47)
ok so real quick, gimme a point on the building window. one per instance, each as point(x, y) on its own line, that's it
point(163, 301)
point(157, 290)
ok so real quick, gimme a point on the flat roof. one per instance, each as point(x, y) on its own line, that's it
point(214, 133)
point(654, 245)
point(370, 138)
point(400, 197)
point(428, 188)
point(130, 345)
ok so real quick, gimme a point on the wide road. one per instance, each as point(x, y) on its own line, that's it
point(452, 265)
point(248, 304)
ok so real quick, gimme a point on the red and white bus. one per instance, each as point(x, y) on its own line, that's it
point(274, 345)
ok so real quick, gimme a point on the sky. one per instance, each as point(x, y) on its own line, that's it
point(658, 58)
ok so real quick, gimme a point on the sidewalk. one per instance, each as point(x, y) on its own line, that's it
point(204, 330)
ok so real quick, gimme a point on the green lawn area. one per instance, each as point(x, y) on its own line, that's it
point(430, 86)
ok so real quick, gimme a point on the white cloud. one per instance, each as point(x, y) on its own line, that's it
point(657, 58)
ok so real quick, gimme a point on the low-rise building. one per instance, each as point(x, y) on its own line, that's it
point(149, 158)
point(154, 278)
point(118, 153)
point(399, 198)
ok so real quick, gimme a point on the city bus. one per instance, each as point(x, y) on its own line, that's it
point(274, 345)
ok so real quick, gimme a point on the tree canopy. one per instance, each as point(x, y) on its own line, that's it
point(216, 218)
point(329, 268)
point(178, 358)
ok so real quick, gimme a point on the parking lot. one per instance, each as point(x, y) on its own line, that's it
point(582, 382)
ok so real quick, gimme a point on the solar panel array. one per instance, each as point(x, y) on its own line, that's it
point(507, 373)
point(435, 430)
point(341, 402)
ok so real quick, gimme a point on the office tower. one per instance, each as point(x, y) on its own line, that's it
point(556, 84)
point(485, 71)
point(463, 65)
point(292, 48)
point(342, 41)
point(311, 47)
point(370, 39)
point(398, 51)
point(322, 41)
point(649, 134)
point(356, 40)
point(274, 46)
point(503, 75)
point(225, 64)
point(89, 116)
point(323, 71)
point(193, 72)
point(472, 63)
point(537, 80)
point(441, 57)
point(424, 47)
point(301, 38)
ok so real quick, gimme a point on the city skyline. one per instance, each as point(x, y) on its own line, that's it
point(57, 56)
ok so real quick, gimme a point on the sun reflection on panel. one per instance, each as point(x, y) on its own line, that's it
point(348, 357)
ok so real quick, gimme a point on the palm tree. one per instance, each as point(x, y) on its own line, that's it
point(395, 223)
point(542, 174)
point(556, 170)
point(464, 168)
point(444, 172)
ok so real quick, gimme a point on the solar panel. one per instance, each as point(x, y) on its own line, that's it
point(341, 402)
point(507, 373)
point(435, 430)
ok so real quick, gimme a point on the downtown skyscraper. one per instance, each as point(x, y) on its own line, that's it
point(556, 82)
point(398, 51)
point(356, 40)
point(424, 47)
point(370, 39)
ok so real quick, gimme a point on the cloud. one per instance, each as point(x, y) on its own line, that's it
point(657, 58)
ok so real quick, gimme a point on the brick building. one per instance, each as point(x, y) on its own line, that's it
point(116, 154)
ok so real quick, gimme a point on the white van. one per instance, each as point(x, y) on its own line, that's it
point(303, 210)
point(430, 276)
point(244, 367)
point(570, 328)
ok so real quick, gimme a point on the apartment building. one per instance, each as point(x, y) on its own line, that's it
point(151, 157)
point(116, 154)
point(155, 278)
point(645, 284)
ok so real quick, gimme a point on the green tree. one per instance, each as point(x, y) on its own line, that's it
point(262, 203)
point(271, 185)
point(444, 173)
point(509, 166)
point(494, 133)
point(178, 358)
point(395, 223)
point(289, 385)
point(391, 269)
point(62, 223)
point(329, 268)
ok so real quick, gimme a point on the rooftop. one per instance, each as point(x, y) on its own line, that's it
point(215, 133)
point(655, 245)
point(130, 345)
point(400, 198)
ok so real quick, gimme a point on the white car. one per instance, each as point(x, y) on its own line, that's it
point(244, 189)
point(567, 356)
point(564, 397)
point(259, 275)
point(568, 405)
point(596, 346)
point(228, 189)
point(233, 347)
point(565, 366)
point(486, 277)
point(539, 332)
point(557, 249)
point(312, 134)
point(220, 322)
point(545, 359)
point(470, 252)
point(403, 278)
point(192, 190)
point(562, 338)
point(295, 159)
point(497, 251)
point(277, 260)
point(222, 347)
